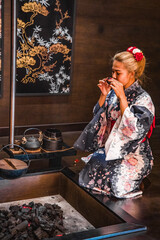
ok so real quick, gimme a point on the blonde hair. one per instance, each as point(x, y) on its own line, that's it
point(131, 64)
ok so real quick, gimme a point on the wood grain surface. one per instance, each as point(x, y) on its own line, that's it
point(101, 29)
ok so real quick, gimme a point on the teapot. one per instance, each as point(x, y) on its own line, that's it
point(32, 142)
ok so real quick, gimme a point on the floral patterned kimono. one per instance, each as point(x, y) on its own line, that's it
point(123, 156)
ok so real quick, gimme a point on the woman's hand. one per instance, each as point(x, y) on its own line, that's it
point(117, 87)
point(104, 86)
point(119, 91)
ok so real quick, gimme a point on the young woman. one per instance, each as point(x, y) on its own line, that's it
point(119, 131)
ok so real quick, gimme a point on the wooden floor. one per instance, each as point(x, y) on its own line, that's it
point(146, 209)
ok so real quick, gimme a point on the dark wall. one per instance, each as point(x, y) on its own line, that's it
point(102, 28)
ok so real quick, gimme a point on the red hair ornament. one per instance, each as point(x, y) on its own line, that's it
point(137, 53)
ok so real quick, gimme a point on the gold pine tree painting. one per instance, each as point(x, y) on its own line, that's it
point(44, 46)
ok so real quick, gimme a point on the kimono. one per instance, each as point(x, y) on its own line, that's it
point(121, 155)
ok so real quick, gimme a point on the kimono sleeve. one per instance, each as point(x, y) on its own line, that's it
point(97, 107)
point(87, 140)
point(137, 119)
point(130, 129)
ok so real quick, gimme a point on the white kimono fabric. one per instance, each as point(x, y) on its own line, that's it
point(123, 156)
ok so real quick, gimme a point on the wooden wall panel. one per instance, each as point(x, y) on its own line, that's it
point(101, 28)
point(4, 100)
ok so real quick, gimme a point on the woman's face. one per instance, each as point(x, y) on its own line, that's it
point(121, 74)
